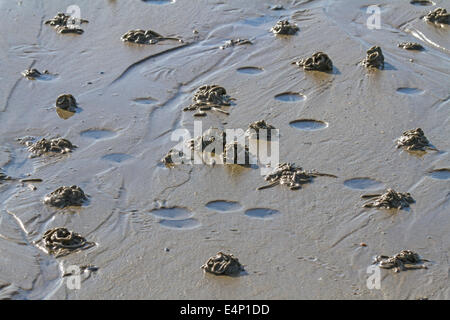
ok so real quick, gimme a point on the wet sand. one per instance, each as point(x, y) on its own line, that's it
point(304, 244)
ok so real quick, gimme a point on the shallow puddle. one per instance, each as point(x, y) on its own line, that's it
point(180, 224)
point(441, 174)
point(172, 213)
point(412, 91)
point(158, 2)
point(223, 205)
point(261, 213)
point(363, 184)
point(422, 3)
point(308, 124)
point(250, 70)
point(290, 97)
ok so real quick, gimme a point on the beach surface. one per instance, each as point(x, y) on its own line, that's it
point(154, 226)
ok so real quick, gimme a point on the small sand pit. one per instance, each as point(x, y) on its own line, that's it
point(388, 200)
point(440, 174)
point(405, 260)
point(284, 27)
point(250, 70)
point(66, 24)
point(209, 97)
point(145, 37)
point(61, 242)
point(411, 46)
point(223, 205)
point(43, 146)
point(414, 140)
point(290, 97)
point(422, 2)
point(438, 15)
point(290, 175)
point(319, 61)
point(65, 197)
point(223, 264)
point(374, 58)
point(308, 124)
point(260, 130)
point(237, 42)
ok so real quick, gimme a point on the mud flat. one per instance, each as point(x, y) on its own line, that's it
point(300, 244)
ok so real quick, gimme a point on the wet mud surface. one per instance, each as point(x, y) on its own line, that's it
point(311, 237)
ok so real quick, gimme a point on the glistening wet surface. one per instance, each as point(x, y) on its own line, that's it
point(324, 220)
